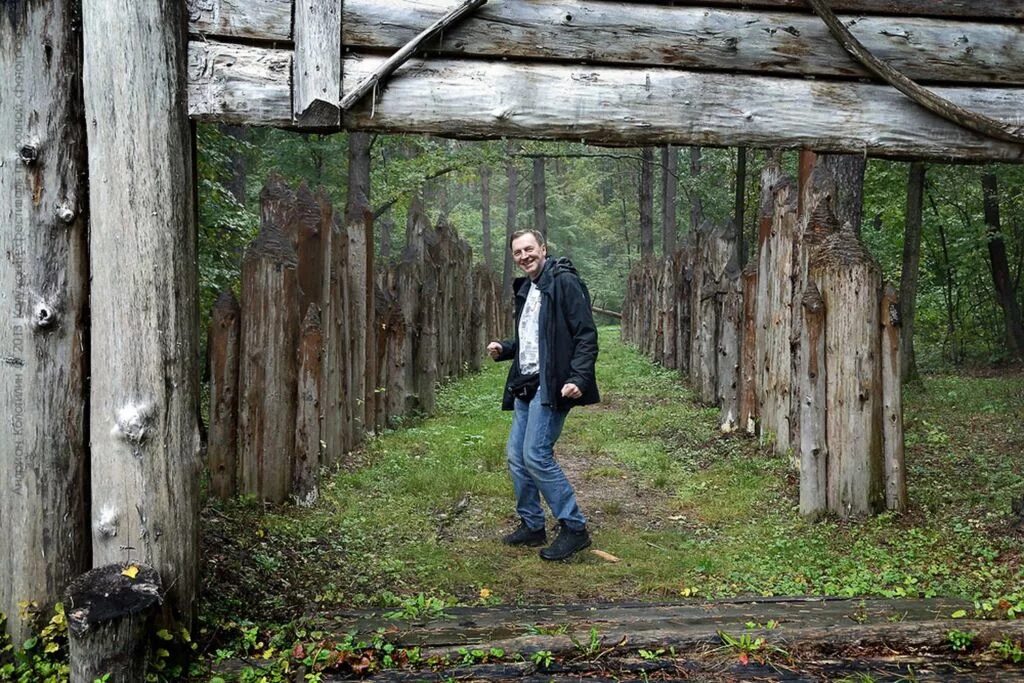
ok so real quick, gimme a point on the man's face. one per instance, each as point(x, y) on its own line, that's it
point(529, 255)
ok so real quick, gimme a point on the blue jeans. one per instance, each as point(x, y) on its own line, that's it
point(531, 462)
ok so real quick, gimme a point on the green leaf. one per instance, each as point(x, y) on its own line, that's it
point(959, 614)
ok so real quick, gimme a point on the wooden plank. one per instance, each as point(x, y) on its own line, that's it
point(250, 19)
point(144, 399)
point(239, 84)
point(608, 105)
point(316, 67)
point(769, 42)
point(964, 9)
point(43, 298)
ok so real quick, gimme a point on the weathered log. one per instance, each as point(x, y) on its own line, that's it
point(270, 334)
point(251, 19)
point(699, 38)
point(729, 337)
point(316, 66)
point(109, 610)
point(608, 105)
point(222, 351)
point(310, 221)
point(359, 227)
point(812, 406)
point(386, 310)
point(426, 353)
point(667, 313)
point(892, 402)
point(337, 426)
point(748, 351)
point(683, 322)
point(850, 283)
point(308, 444)
point(44, 282)
point(144, 400)
point(774, 315)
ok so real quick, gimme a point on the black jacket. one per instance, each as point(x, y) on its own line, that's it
point(568, 340)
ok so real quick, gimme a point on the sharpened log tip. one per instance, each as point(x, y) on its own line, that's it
point(111, 592)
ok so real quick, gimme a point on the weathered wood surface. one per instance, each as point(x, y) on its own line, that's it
point(144, 398)
point(250, 19)
point(729, 337)
point(748, 351)
point(310, 222)
point(108, 616)
point(609, 105)
point(811, 382)
point(359, 227)
point(239, 84)
point(849, 281)
point(223, 353)
point(270, 336)
point(892, 402)
point(43, 280)
point(980, 9)
point(740, 40)
point(337, 433)
point(316, 66)
point(308, 449)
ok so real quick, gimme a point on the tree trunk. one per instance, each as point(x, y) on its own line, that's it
point(238, 165)
point(911, 264)
point(359, 226)
point(270, 335)
point(386, 227)
point(540, 197)
point(485, 215)
point(307, 415)
point(144, 401)
point(696, 206)
point(813, 408)
point(1005, 292)
point(108, 617)
point(223, 354)
point(892, 403)
point(850, 284)
point(511, 218)
point(847, 171)
point(646, 204)
point(669, 184)
point(43, 331)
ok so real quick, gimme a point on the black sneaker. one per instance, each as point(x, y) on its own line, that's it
point(524, 535)
point(567, 544)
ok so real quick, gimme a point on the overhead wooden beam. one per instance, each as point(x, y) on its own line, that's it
point(619, 106)
point(965, 9)
point(244, 19)
point(770, 42)
point(316, 66)
point(239, 84)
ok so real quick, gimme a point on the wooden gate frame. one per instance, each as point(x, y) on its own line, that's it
point(558, 70)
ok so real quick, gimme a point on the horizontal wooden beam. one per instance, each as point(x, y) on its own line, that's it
point(963, 9)
point(609, 105)
point(244, 19)
point(771, 42)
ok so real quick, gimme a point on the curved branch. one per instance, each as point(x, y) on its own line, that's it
point(965, 118)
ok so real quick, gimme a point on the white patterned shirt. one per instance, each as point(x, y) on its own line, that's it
point(529, 333)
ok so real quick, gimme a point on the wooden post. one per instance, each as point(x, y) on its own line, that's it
point(729, 341)
point(748, 351)
point(223, 355)
point(43, 294)
point(316, 66)
point(270, 335)
point(337, 434)
point(310, 221)
point(109, 610)
point(144, 360)
point(308, 450)
point(850, 284)
point(892, 402)
point(813, 408)
point(359, 226)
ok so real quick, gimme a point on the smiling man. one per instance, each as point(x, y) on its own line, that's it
point(553, 356)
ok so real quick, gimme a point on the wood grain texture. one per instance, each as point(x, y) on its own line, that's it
point(316, 66)
point(144, 311)
point(223, 353)
point(742, 40)
point(308, 450)
point(43, 294)
point(892, 402)
point(811, 382)
point(251, 19)
point(979, 9)
point(239, 84)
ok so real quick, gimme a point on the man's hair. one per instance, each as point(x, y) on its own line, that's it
point(529, 231)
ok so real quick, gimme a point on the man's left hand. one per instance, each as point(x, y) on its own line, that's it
point(570, 390)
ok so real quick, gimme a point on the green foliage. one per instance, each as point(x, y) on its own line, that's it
point(961, 641)
point(42, 658)
point(543, 659)
point(418, 608)
point(1009, 650)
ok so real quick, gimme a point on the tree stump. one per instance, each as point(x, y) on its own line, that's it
point(109, 612)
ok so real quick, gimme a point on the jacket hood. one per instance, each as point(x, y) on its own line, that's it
point(553, 267)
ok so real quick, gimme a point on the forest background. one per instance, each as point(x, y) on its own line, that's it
point(596, 207)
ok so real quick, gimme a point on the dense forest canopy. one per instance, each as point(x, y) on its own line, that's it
point(593, 213)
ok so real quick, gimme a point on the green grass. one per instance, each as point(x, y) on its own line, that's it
point(687, 509)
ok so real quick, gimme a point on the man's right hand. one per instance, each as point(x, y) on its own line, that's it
point(494, 349)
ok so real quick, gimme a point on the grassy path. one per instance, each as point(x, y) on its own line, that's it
point(690, 512)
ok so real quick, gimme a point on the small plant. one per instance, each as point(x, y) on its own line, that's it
point(543, 630)
point(418, 608)
point(1008, 650)
point(650, 655)
point(769, 625)
point(746, 647)
point(593, 644)
point(543, 659)
point(960, 641)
